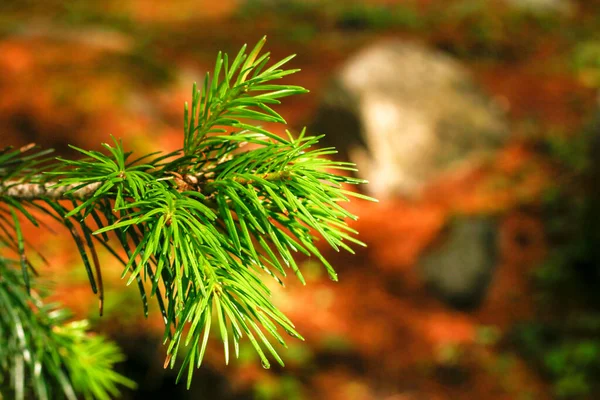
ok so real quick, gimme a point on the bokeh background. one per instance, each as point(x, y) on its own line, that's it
point(481, 276)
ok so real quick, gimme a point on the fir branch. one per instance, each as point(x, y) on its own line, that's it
point(44, 354)
point(205, 223)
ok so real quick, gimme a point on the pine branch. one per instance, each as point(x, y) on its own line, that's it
point(44, 355)
point(204, 224)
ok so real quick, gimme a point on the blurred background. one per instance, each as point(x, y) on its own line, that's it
point(477, 125)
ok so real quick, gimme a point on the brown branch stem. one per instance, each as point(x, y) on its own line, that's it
point(48, 190)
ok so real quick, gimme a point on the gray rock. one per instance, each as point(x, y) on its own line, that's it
point(460, 269)
point(405, 114)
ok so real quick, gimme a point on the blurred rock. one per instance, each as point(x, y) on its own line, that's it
point(405, 114)
point(460, 269)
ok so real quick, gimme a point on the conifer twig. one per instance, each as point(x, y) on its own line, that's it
point(201, 225)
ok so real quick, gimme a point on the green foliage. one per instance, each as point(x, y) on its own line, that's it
point(564, 342)
point(586, 61)
point(44, 355)
point(573, 363)
point(345, 15)
point(204, 224)
point(471, 29)
point(373, 17)
point(571, 152)
point(570, 362)
point(284, 387)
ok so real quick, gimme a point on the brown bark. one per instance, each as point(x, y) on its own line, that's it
point(34, 191)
